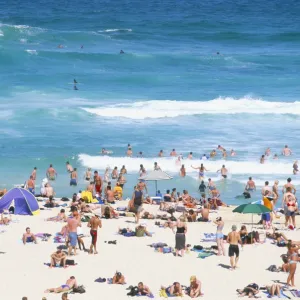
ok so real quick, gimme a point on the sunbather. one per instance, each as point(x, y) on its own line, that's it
point(70, 284)
point(274, 290)
point(192, 215)
point(174, 290)
point(28, 237)
point(141, 230)
point(118, 278)
point(169, 224)
point(143, 290)
point(58, 258)
point(195, 287)
point(5, 218)
point(60, 217)
point(250, 290)
point(147, 215)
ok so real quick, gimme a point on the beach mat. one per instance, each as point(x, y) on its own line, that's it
point(296, 294)
point(205, 254)
point(282, 296)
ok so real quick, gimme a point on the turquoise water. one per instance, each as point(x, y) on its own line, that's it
point(169, 90)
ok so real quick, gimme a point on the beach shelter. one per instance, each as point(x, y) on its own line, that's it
point(156, 175)
point(24, 202)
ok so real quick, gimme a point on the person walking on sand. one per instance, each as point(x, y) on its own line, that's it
point(234, 239)
point(94, 223)
point(293, 259)
point(219, 236)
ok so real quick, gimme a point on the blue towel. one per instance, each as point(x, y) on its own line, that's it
point(282, 295)
point(150, 296)
point(296, 294)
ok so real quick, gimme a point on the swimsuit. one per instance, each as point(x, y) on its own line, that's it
point(233, 249)
point(64, 286)
point(31, 190)
point(73, 181)
point(94, 236)
point(29, 239)
point(73, 238)
point(293, 261)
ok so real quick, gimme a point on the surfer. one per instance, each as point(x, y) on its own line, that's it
point(122, 52)
point(75, 85)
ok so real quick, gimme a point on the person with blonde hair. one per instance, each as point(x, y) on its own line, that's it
point(181, 229)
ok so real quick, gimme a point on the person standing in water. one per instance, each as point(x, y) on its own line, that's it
point(161, 153)
point(182, 171)
point(190, 156)
point(69, 167)
point(33, 174)
point(201, 171)
point(295, 167)
point(250, 186)
point(51, 174)
point(262, 159)
point(88, 174)
point(73, 175)
point(223, 171)
point(286, 151)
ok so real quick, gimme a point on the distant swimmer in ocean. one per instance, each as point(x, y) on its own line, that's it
point(250, 186)
point(232, 153)
point(286, 151)
point(122, 52)
point(262, 159)
point(295, 167)
point(75, 84)
point(275, 156)
point(60, 46)
point(204, 157)
point(173, 153)
point(213, 153)
point(220, 148)
point(161, 153)
point(268, 152)
point(190, 156)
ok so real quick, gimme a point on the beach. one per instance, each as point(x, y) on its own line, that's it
point(24, 265)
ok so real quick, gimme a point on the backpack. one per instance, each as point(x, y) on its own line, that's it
point(80, 289)
point(133, 291)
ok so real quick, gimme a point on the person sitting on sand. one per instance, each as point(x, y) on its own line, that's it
point(118, 278)
point(108, 212)
point(61, 217)
point(58, 258)
point(251, 290)
point(192, 216)
point(147, 215)
point(195, 287)
point(169, 224)
point(141, 231)
point(204, 213)
point(28, 237)
point(5, 218)
point(174, 290)
point(143, 290)
point(51, 203)
point(148, 200)
point(70, 284)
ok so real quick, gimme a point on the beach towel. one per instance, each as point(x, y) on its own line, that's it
point(163, 293)
point(149, 296)
point(55, 266)
point(296, 293)
point(205, 254)
point(209, 237)
point(197, 250)
point(122, 208)
point(282, 295)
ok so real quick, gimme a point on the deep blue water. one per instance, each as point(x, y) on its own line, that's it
point(246, 97)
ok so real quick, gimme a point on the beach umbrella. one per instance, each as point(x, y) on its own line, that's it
point(252, 209)
point(156, 175)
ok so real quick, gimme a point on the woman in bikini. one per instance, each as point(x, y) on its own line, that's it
point(293, 259)
point(220, 236)
point(291, 209)
point(114, 174)
point(201, 171)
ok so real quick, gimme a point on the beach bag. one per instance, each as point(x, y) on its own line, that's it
point(80, 289)
point(272, 268)
point(70, 262)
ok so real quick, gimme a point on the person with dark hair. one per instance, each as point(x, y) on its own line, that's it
point(94, 223)
point(28, 237)
point(118, 278)
point(70, 284)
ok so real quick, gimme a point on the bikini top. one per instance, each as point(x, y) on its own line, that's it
point(291, 204)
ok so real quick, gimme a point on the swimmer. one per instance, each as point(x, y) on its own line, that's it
point(286, 151)
point(140, 154)
point(129, 150)
point(220, 148)
point(223, 171)
point(224, 153)
point(190, 156)
point(60, 46)
point(275, 156)
point(173, 153)
point(75, 86)
point(262, 159)
point(250, 186)
point(232, 153)
point(161, 153)
point(204, 157)
point(295, 167)
point(178, 160)
point(213, 153)
point(268, 152)
point(201, 171)
point(122, 52)
point(69, 167)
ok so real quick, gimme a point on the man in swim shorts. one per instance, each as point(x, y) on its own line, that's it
point(250, 186)
point(70, 284)
point(286, 151)
point(58, 259)
point(98, 183)
point(223, 171)
point(51, 173)
point(233, 239)
point(72, 224)
point(73, 175)
point(31, 185)
point(33, 174)
point(94, 223)
point(28, 237)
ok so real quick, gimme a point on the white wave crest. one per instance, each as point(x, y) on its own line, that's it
point(31, 51)
point(1, 33)
point(24, 29)
point(169, 165)
point(23, 41)
point(116, 30)
point(170, 108)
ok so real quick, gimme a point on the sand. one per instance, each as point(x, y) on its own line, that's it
point(24, 273)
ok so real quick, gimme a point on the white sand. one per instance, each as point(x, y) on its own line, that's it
point(24, 274)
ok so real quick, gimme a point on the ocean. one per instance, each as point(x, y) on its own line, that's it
point(195, 74)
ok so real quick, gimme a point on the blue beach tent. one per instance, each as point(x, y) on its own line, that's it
point(24, 202)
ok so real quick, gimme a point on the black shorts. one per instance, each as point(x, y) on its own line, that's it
point(224, 176)
point(233, 250)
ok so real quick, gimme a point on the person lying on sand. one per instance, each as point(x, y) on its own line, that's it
point(280, 238)
point(143, 290)
point(147, 215)
point(58, 258)
point(118, 278)
point(251, 290)
point(141, 230)
point(109, 212)
point(28, 237)
point(174, 290)
point(70, 284)
point(195, 287)
point(60, 217)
